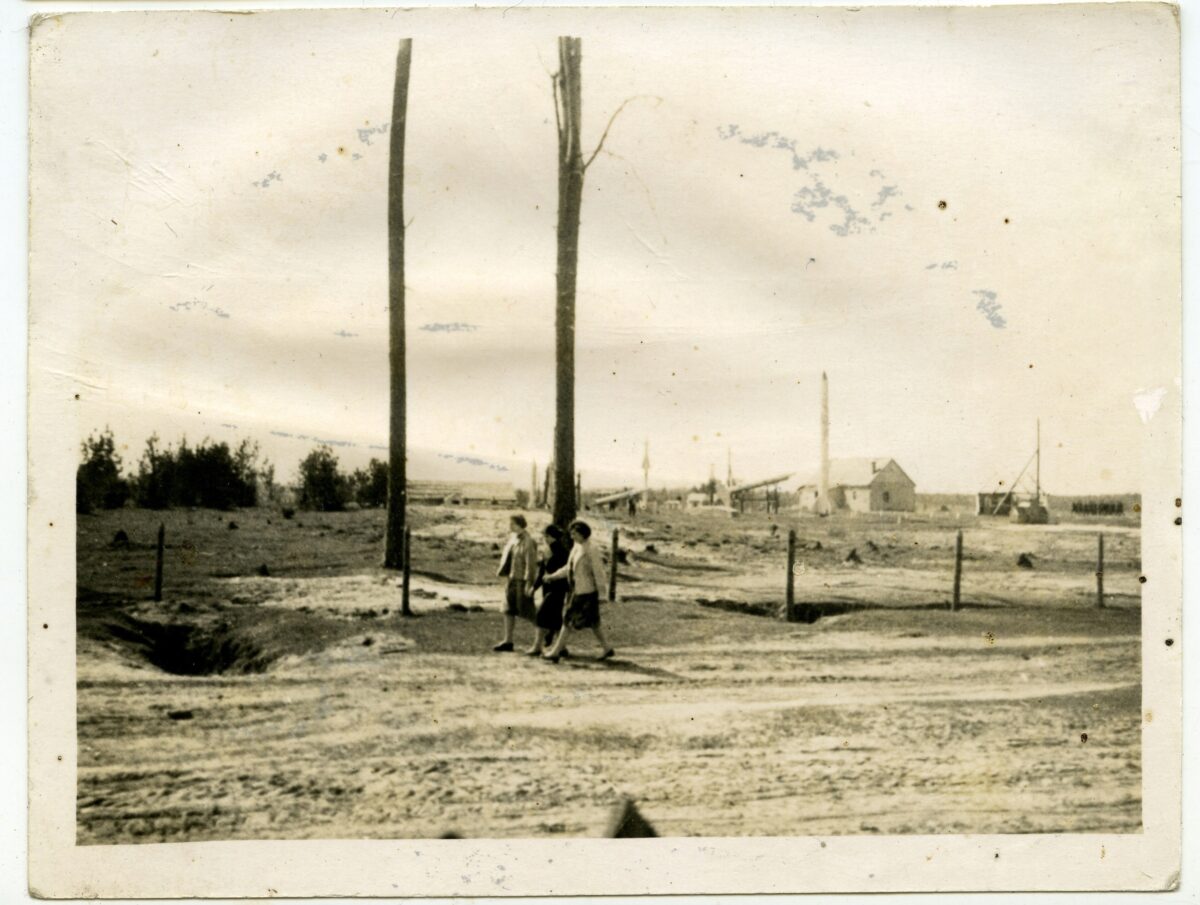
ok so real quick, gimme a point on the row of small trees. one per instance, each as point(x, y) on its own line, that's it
point(212, 475)
point(215, 476)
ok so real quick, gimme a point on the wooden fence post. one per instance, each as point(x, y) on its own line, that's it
point(958, 554)
point(612, 575)
point(405, 608)
point(1100, 571)
point(158, 562)
point(790, 604)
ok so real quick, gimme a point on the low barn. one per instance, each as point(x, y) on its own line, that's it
point(462, 493)
point(863, 485)
point(488, 493)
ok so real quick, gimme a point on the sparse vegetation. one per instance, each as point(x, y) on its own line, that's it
point(368, 486)
point(210, 475)
point(322, 486)
point(98, 481)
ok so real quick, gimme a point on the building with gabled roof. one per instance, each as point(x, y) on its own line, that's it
point(876, 484)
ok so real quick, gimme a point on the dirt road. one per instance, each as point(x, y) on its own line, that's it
point(360, 724)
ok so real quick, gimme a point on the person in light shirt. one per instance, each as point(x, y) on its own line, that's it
point(519, 564)
point(587, 576)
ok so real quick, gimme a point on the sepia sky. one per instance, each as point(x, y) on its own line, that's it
point(968, 218)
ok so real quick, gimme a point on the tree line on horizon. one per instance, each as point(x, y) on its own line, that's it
point(213, 475)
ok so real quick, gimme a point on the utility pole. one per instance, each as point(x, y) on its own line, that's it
point(823, 504)
point(568, 103)
point(397, 497)
point(646, 470)
point(1037, 473)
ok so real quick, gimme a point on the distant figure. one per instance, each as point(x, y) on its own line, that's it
point(586, 573)
point(549, 618)
point(632, 507)
point(519, 563)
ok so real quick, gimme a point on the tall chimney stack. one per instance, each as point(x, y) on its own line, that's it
point(823, 507)
point(646, 469)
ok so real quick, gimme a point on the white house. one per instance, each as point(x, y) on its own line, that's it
point(863, 485)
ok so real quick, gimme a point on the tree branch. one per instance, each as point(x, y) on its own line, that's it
point(613, 118)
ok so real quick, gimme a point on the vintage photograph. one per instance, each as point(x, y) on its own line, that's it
point(607, 423)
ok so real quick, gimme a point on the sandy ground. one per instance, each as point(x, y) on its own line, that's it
point(333, 717)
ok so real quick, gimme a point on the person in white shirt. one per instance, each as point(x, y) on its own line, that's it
point(519, 563)
point(588, 577)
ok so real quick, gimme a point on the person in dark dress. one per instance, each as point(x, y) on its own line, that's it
point(554, 592)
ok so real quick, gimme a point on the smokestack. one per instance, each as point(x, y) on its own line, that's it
point(823, 507)
point(533, 486)
point(729, 466)
point(646, 468)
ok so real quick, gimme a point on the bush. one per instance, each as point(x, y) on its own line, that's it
point(209, 475)
point(322, 486)
point(98, 481)
point(369, 486)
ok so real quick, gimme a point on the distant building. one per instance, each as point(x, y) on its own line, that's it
point(489, 493)
point(994, 502)
point(863, 485)
point(462, 493)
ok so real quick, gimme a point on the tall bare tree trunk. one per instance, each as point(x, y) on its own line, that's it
point(568, 104)
point(397, 504)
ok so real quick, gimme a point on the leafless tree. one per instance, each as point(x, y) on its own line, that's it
point(571, 169)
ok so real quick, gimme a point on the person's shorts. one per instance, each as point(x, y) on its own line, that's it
point(517, 602)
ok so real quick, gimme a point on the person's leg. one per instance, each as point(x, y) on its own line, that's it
point(509, 624)
point(555, 617)
point(599, 632)
point(510, 620)
point(539, 644)
point(560, 642)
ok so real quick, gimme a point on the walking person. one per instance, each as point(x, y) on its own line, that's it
point(519, 564)
point(587, 576)
point(554, 592)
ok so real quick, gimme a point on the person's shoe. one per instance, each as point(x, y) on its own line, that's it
point(553, 658)
point(608, 654)
point(566, 654)
point(533, 652)
point(503, 647)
